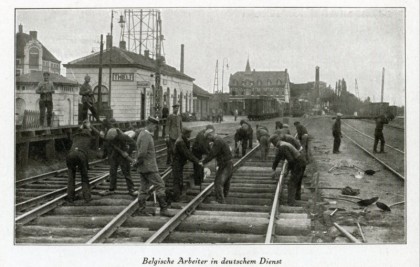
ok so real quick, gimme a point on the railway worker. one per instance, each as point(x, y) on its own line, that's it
point(78, 158)
point(303, 137)
point(213, 115)
point(88, 99)
point(296, 164)
point(235, 113)
point(279, 125)
point(182, 153)
point(174, 126)
point(149, 172)
point(336, 132)
point(165, 114)
point(221, 151)
point(263, 137)
point(250, 132)
point(200, 147)
point(379, 135)
point(289, 139)
point(220, 115)
point(242, 135)
point(45, 89)
point(120, 147)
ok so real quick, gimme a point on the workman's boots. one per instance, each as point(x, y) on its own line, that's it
point(164, 207)
point(291, 195)
point(382, 147)
point(86, 192)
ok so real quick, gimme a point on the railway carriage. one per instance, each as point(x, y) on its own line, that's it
point(262, 107)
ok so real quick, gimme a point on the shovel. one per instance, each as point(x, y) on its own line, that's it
point(368, 172)
point(364, 202)
point(385, 207)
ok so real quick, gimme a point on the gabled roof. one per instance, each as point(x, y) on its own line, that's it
point(37, 76)
point(22, 39)
point(263, 76)
point(197, 90)
point(123, 58)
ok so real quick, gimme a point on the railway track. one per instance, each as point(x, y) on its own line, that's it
point(393, 160)
point(245, 218)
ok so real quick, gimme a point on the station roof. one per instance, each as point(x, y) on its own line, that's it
point(37, 76)
point(198, 91)
point(22, 39)
point(123, 58)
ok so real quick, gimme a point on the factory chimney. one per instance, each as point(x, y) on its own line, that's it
point(182, 59)
point(20, 28)
point(108, 41)
point(317, 81)
point(383, 82)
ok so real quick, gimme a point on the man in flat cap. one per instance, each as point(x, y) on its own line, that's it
point(149, 171)
point(45, 89)
point(303, 137)
point(88, 99)
point(263, 137)
point(200, 147)
point(181, 154)
point(336, 132)
point(174, 127)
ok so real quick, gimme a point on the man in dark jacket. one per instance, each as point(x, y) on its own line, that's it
point(45, 89)
point(379, 135)
point(263, 137)
point(250, 132)
point(174, 127)
point(165, 114)
point(78, 158)
point(336, 132)
point(303, 137)
point(221, 151)
point(241, 135)
point(120, 147)
point(297, 165)
point(181, 155)
point(200, 147)
point(88, 99)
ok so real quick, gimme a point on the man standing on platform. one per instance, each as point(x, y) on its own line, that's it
point(336, 132)
point(297, 165)
point(148, 169)
point(174, 126)
point(182, 153)
point(88, 100)
point(45, 90)
point(221, 151)
point(200, 147)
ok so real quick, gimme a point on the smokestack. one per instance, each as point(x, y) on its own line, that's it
point(108, 41)
point(317, 81)
point(20, 28)
point(182, 59)
point(123, 45)
point(383, 82)
point(33, 34)
point(146, 53)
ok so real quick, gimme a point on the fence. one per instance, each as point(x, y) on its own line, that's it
point(31, 120)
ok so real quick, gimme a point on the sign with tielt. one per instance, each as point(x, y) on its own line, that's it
point(123, 77)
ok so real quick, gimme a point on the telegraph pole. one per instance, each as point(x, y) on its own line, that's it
point(383, 82)
point(110, 60)
point(100, 76)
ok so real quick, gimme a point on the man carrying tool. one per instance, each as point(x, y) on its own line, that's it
point(78, 158)
point(221, 151)
point(88, 99)
point(379, 135)
point(263, 137)
point(174, 127)
point(200, 147)
point(181, 155)
point(336, 132)
point(120, 147)
point(148, 169)
point(297, 165)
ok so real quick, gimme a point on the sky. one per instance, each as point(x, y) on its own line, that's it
point(349, 43)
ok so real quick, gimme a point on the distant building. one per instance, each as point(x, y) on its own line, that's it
point(201, 102)
point(65, 98)
point(245, 84)
point(133, 82)
point(31, 55)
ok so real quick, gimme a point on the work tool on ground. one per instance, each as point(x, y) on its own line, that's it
point(385, 207)
point(363, 202)
point(361, 232)
point(346, 233)
point(344, 190)
point(368, 171)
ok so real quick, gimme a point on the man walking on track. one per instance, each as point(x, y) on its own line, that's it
point(174, 127)
point(379, 135)
point(148, 169)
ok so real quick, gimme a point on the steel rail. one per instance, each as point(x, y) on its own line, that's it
point(44, 175)
point(32, 214)
point(377, 159)
point(398, 150)
point(35, 200)
point(173, 223)
point(269, 236)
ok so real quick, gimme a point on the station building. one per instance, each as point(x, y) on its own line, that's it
point(246, 84)
point(201, 102)
point(132, 82)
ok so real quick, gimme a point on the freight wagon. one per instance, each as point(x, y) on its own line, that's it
point(262, 107)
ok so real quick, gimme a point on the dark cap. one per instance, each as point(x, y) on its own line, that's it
point(153, 120)
point(242, 122)
point(186, 130)
point(209, 126)
point(296, 123)
point(46, 73)
point(175, 105)
point(112, 120)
